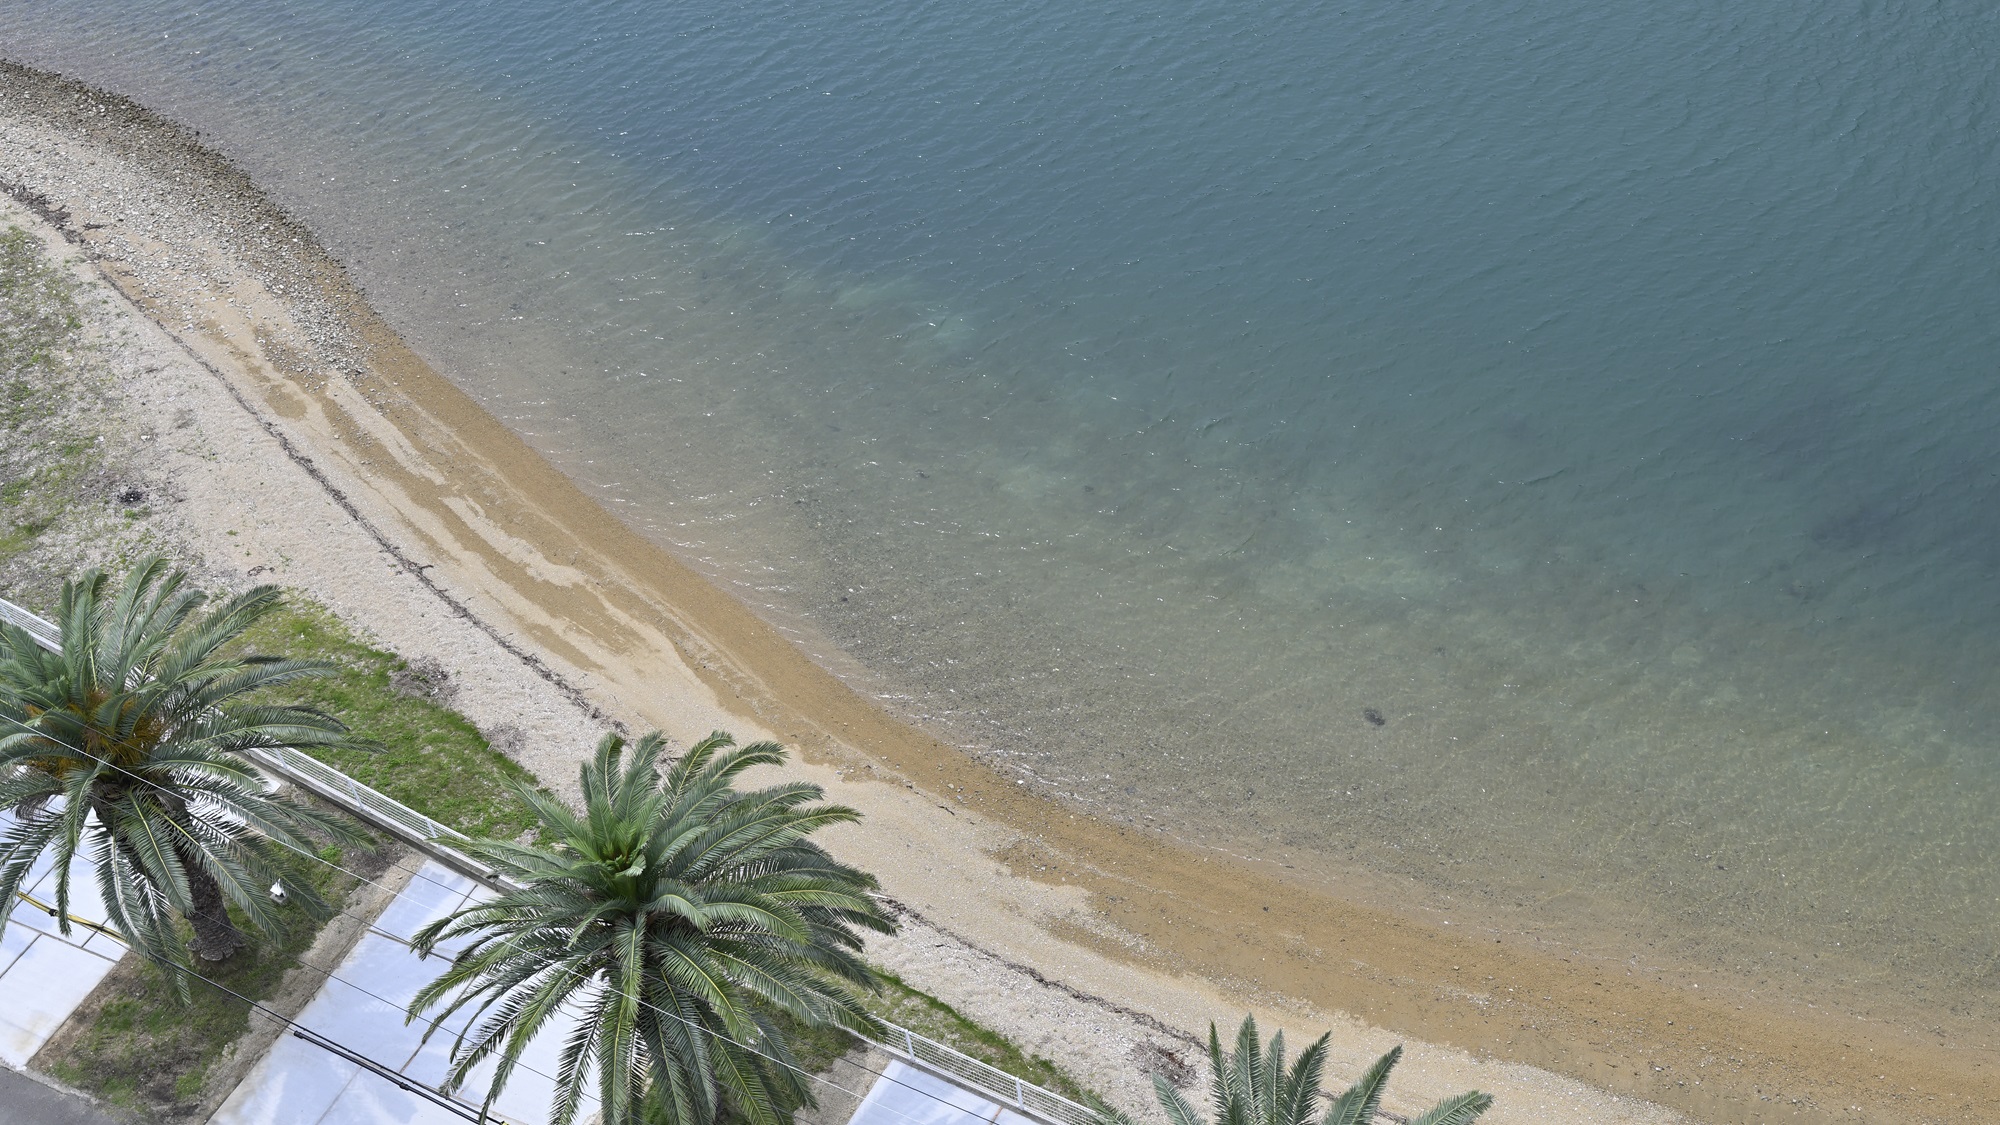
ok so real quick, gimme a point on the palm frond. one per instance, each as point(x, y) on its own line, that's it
point(1460, 1110)
point(686, 911)
point(126, 744)
point(1357, 1105)
point(1179, 1110)
point(1250, 1085)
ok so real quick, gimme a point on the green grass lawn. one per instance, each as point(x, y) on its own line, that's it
point(141, 1047)
point(432, 758)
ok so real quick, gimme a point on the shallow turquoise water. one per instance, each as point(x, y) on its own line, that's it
point(1601, 394)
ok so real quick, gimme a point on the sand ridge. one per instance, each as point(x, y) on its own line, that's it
point(357, 471)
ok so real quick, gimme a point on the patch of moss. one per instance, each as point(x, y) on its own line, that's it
point(40, 326)
point(21, 536)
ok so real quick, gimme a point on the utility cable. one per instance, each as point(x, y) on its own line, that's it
point(368, 924)
point(419, 874)
point(299, 1030)
point(883, 1075)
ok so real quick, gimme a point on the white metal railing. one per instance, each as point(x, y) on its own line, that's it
point(309, 773)
point(959, 1067)
point(43, 630)
point(356, 797)
point(418, 830)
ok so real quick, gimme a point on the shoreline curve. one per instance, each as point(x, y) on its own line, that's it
point(633, 635)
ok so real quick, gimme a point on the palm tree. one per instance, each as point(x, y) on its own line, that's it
point(680, 922)
point(1252, 1087)
point(126, 748)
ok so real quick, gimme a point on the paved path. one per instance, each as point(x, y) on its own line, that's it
point(26, 1101)
point(299, 1083)
point(905, 1095)
point(44, 975)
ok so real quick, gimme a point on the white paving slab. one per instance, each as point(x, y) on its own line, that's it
point(434, 893)
point(372, 1099)
point(43, 974)
point(84, 903)
point(295, 1083)
point(363, 1007)
point(13, 941)
point(43, 986)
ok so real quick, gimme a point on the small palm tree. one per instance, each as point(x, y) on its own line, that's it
point(673, 917)
point(1252, 1087)
point(126, 748)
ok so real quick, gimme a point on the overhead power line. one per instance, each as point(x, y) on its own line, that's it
point(309, 1036)
point(301, 1031)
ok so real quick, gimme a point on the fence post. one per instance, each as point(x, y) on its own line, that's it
point(1020, 1095)
point(909, 1044)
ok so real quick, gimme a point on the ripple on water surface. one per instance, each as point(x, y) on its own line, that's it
point(1540, 450)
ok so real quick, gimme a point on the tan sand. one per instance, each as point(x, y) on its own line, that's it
point(321, 452)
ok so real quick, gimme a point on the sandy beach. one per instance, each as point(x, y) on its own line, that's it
point(306, 444)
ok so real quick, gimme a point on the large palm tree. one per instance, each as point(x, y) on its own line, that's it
point(126, 748)
point(1252, 1087)
point(677, 920)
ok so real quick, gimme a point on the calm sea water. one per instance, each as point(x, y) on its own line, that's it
point(1541, 448)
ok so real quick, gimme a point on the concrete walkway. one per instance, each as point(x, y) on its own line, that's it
point(363, 1009)
point(44, 975)
point(300, 1083)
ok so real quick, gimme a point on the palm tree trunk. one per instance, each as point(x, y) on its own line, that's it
point(216, 938)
